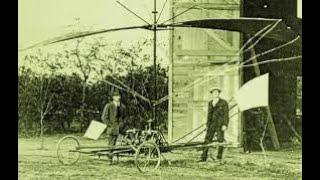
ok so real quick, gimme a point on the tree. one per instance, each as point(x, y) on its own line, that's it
point(25, 105)
point(85, 58)
point(43, 97)
point(132, 72)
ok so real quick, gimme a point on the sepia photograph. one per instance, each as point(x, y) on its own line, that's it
point(159, 89)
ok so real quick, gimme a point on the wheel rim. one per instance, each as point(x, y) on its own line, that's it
point(147, 157)
point(67, 150)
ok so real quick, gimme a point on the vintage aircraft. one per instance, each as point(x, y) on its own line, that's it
point(256, 28)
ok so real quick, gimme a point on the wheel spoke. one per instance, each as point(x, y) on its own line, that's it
point(147, 157)
point(147, 163)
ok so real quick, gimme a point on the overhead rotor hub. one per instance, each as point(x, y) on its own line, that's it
point(154, 26)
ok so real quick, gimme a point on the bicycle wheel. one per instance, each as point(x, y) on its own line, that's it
point(67, 151)
point(147, 157)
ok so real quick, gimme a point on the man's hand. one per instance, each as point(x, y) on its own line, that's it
point(223, 128)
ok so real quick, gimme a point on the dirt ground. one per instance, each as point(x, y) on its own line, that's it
point(43, 164)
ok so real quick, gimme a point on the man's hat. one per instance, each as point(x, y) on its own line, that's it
point(215, 88)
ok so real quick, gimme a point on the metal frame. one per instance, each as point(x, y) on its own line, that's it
point(153, 139)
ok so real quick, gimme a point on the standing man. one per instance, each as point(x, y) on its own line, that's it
point(113, 116)
point(217, 121)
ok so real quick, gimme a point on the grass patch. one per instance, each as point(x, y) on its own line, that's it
point(35, 163)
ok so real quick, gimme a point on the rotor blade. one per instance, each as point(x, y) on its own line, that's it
point(245, 25)
point(82, 34)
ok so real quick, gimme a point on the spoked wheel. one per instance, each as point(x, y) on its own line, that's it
point(147, 157)
point(67, 150)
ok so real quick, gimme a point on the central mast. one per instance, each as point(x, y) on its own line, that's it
point(155, 61)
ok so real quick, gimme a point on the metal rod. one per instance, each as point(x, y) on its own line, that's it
point(134, 93)
point(188, 133)
point(155, 61)
point(133, 12)
point(190, 8)
point(162, 136)
point(163, 99)
point(162, 10)
point(197, 145)
point(104, 147)
point(234, 115)
point(196, 136)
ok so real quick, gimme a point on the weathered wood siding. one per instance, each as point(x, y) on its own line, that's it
point(196, 64)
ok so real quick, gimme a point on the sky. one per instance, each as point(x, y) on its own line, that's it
point(299, 9)
point(39, 20)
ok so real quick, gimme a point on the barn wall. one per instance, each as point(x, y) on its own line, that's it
point(197, 58)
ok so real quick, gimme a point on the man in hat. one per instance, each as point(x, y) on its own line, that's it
point(113, 115)
point(217, 121)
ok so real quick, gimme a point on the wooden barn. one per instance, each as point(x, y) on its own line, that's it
point(196, 59)
point(197, 62)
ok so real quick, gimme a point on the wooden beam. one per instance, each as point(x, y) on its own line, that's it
point(271, 128)
point(241, 82)
point(190, 52)
point(170, 83)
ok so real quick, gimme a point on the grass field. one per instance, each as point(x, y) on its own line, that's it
point(43, 164)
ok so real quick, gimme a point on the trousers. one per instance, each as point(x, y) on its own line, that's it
point(112, 139)
point(209, 139)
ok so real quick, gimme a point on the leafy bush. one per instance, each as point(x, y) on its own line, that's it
point(66, 102)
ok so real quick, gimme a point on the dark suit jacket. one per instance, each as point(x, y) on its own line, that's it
point(218, 115)
point(113, 118)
